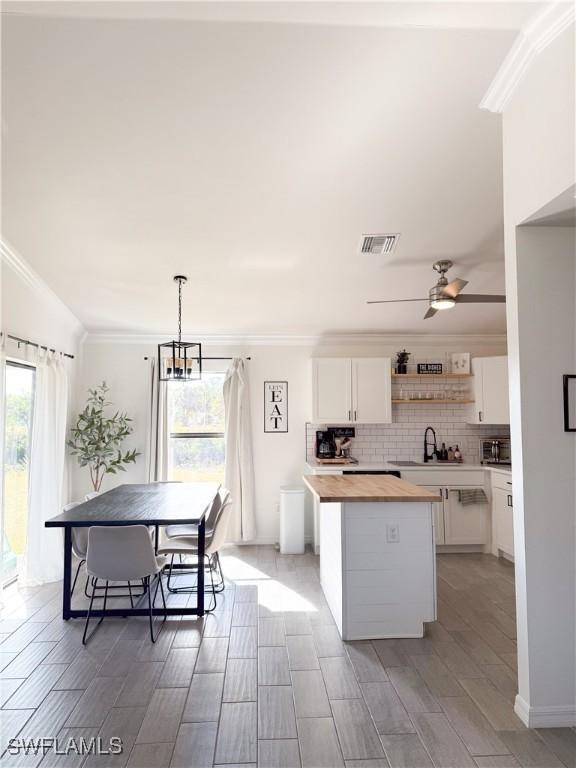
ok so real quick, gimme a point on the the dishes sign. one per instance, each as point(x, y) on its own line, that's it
point(275, 406)
point(429, 367)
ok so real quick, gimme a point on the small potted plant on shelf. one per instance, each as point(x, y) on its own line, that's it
point(402, 361)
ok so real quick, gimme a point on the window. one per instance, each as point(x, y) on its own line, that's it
point(196, 424)
point(17, 432)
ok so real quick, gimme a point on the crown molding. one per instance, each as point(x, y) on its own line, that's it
point(12, 259)
point(251, 340)
point(531, 41)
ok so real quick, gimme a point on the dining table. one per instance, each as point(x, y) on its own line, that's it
point(150, 504)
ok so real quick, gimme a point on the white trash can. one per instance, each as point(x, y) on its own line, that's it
point(291, 520)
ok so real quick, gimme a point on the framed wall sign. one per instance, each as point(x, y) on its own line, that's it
point(569, 402)
point(275, 406)
point(429, 367)
point(461, 362)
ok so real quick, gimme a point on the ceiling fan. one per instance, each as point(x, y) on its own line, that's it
point(444, 295)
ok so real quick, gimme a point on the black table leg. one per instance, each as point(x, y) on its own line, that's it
point(201, 549)
point(67, 581)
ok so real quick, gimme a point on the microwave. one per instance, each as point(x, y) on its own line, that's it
point(495, 450)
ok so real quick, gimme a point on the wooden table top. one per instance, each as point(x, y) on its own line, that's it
point(366, 488)
point(150, 504)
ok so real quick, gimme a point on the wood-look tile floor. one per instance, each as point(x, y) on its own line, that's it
point(266, 681)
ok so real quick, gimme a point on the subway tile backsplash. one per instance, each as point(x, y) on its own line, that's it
point(404, 438)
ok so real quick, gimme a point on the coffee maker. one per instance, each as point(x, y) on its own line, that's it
point(325, 444)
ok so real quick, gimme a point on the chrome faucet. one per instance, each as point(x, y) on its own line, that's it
point(427, 457)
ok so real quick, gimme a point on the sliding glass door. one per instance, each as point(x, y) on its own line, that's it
point(17, 433)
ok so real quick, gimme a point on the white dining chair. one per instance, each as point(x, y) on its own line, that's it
point(79, 549)
point(79, 544)
point(186, 529)
point(123, 553)
point(188, 546)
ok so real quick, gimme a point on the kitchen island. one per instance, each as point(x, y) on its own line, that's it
point(377, 557)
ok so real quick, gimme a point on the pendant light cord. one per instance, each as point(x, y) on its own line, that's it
point(179, 311)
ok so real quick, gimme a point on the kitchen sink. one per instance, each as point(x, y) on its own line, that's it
point(406, 463)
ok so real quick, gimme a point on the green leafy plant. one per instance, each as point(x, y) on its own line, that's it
point(97, 437)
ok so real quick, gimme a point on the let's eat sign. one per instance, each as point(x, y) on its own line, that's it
point(275, 406)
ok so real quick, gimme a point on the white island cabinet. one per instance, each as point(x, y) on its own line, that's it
point(377, 560)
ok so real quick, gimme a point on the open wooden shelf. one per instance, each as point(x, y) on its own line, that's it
point(431, 401)
point(432, 375)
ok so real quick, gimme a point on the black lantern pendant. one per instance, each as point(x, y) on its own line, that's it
point(180, 360)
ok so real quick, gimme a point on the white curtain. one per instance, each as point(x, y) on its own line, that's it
point(2, 412)
point(42, 561)
point(239, 472)
point(157, 439)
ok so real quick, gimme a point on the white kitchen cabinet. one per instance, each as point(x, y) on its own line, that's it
point(332, 393)
point(464, 524)
point(351, 390)
point(438, 509)
point(491, 400)
point(455, 524)
point(502, 515)
point(371, 390)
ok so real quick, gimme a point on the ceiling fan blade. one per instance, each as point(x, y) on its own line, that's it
point(431, 312)
point(480, 298)
point(454, 288)
point(393, 301)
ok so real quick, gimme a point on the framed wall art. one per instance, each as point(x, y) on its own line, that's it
point(569, 386)
point(275, 406)
point(461, 363)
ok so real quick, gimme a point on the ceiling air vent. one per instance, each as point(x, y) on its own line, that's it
point(378, 244)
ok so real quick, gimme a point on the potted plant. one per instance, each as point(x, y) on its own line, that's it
point(402, 361)
point(97, 437)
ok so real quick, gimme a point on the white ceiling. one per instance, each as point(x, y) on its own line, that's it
point(251, 157)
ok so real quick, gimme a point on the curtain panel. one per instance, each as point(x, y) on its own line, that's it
point(239, 470)
point(157, 430)
point(42, 561)
point(2, 412)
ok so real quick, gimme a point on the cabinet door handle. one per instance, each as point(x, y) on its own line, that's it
point(355, 417)
point(479, 415)
point(509, 500)
point(446, 493)
point(349, 415)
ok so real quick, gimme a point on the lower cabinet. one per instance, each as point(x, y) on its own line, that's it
point(464, 524)
point(502, 521)
point(438, 508)
point(456, 524)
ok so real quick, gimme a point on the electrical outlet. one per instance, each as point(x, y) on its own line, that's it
point(393, 533)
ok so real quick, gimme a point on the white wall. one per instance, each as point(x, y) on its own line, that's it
point(31, 311)
point(538, 140)
point(279, 458)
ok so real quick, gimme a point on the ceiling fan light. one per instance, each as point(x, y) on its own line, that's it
point(442, 303)
point(439, 300)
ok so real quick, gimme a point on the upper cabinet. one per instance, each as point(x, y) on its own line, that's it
point(491, 404)
point(332, 395)
point(352, 390)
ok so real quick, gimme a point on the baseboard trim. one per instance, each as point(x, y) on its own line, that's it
point(545, 717)
point(265, 541)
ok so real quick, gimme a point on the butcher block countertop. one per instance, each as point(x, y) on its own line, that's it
point(366, 488)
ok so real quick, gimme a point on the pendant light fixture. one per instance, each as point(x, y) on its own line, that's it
point(180, 360)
